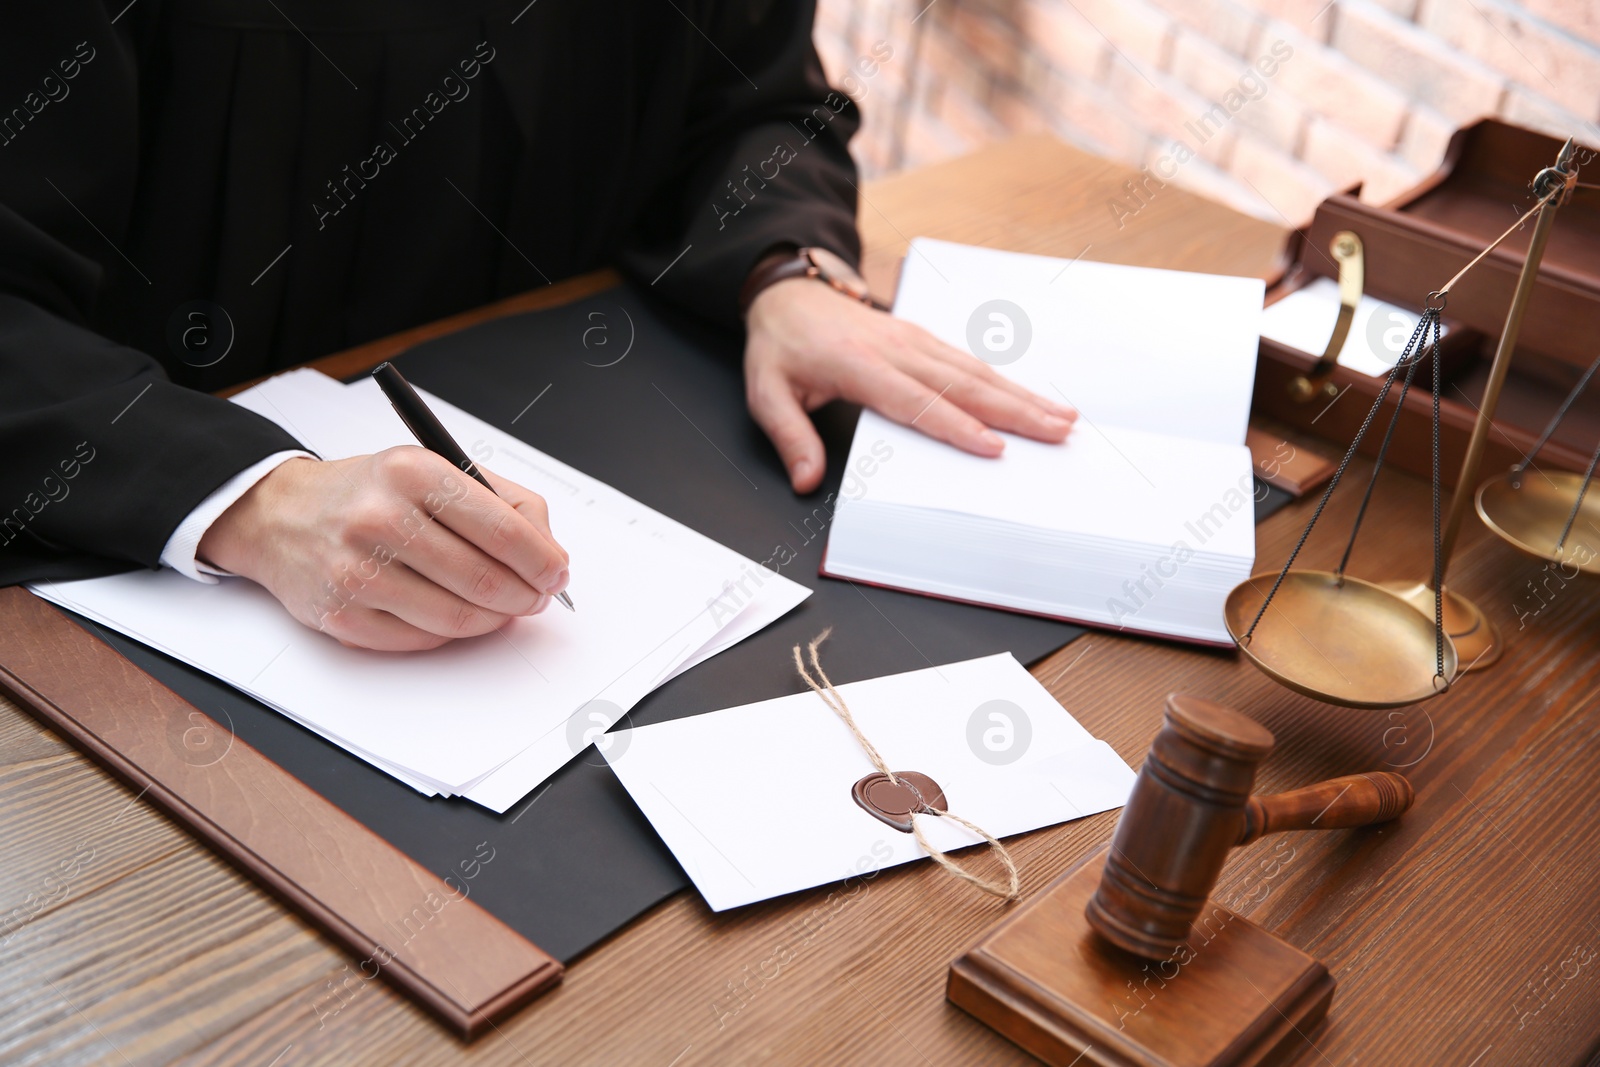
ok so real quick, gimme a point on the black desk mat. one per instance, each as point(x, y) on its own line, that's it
point(651, 402)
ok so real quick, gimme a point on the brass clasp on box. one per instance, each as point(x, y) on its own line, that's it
point(1347, 250)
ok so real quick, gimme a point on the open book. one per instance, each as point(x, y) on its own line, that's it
point(1143, 519)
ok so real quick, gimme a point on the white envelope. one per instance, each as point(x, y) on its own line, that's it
point(755, 801)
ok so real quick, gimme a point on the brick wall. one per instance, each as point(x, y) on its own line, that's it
point(1267, 105)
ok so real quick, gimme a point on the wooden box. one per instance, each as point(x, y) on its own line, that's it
point(1415, 244)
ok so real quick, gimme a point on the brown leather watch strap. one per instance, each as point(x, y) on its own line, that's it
point(776, 266)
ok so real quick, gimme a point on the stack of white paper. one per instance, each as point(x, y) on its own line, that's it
point(1143, 519)
point(490, 717)
point(756, 802)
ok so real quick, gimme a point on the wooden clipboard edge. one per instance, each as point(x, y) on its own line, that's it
point(434, 980)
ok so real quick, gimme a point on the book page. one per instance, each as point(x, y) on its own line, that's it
point(1163, 351)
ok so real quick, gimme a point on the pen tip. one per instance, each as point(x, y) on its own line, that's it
point(566, 601)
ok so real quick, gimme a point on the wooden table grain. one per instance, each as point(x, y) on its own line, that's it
point(1466, 934)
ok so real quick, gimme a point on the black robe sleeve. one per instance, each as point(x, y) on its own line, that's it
point(763, 162)
point(100, 455)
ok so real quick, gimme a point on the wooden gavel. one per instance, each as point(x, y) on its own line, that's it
point(1191, 805)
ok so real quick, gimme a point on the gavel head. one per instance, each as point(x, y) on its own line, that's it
point(1185, 814)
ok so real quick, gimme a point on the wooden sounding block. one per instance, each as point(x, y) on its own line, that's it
point(1231, 995)
point(1125, 960)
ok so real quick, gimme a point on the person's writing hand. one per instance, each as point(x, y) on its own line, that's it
point(808, 344)
point(397, 551)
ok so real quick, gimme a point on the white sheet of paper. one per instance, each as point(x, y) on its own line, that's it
point(1304, 320)
point(513, 780)
point(445, 720)
point(755, 801)
point(1159, 350)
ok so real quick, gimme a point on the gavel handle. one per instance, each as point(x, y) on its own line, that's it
point(1354, 800)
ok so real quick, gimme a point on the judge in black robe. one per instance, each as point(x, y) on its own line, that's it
point(305, 176)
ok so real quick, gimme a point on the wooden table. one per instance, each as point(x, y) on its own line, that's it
point(1466, 934)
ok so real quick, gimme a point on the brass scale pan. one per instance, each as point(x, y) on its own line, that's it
point(1371, 649)
point(1549, 514)
point(1340, 639)
point(1531, 512)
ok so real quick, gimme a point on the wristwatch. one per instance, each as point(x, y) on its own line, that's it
point(812, 262)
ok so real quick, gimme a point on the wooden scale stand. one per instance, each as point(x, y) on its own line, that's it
point(1125, 960)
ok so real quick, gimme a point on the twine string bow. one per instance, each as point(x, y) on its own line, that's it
point(1010, 887)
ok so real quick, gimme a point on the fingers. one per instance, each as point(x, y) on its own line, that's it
point(493, 525)
point(995, 406)
point(910, 402)
point(962, 360)
point(779, 413)
point(361, 627)
point(531, 506)
point(445, 559)
point(413, 599)
point(978, 388)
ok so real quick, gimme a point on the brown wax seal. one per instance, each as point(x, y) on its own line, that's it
point(895, 803)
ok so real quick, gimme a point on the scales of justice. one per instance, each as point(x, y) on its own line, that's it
point(1346, 641)
point(1125, 959)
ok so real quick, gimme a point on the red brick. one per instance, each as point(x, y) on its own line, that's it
point(1424, 138)
point(890, 79)
point(965, 116)
point(1017, 114)
point(1139, 32)
point(988, 42)
point(1539, 56)
point(1311, 18)
point(1290, 188)
point(1232, 26)
point(1344, 159)
point(1031, 76)
point(877, 126)
point(1168, 109)
point(1579, 17)
point(945, 59)
point(1090, 113)
point(1535, 112)
point(1406, 9)
point(1415, 62)
point(1201, 178)
point(1332, 85)
point(871, 155)
point(928, 141)
point(1064, 37)
point(1214, 73)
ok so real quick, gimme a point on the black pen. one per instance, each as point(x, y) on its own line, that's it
point(430, 432)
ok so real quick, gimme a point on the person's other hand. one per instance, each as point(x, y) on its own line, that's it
point(397, 551)
point(808, 344)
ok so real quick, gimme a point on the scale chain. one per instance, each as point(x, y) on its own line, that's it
point(1412, 355)
point(1555, 420)
point(1577, 504)
point(1438, 553)
point(1383, 448)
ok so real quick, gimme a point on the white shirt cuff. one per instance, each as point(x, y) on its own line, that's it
point(179, 554)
